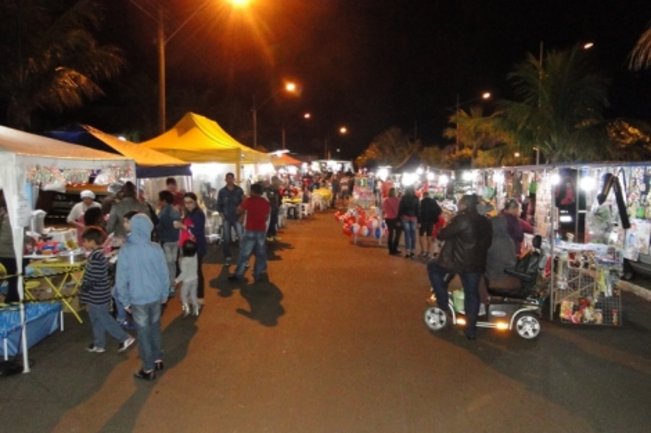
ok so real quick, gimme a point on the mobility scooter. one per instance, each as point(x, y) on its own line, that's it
point(518, 311)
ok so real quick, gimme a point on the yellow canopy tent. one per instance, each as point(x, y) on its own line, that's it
point(196, 139)
point(149, 163)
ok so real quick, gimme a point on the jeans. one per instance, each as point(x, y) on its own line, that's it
point(394, 232)
point(409, 228)
point(120, 312)
point(250, 242)
point(102, 322)
point(470, 281)
point(147, 319)
point(227, 225)
point(171, 250)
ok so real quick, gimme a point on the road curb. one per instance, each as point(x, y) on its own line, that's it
point(635, 289)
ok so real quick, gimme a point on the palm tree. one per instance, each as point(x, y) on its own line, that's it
point(51, 61)
point(640, 57)
point(559, 108)
point(475, 132)
point(391, 147)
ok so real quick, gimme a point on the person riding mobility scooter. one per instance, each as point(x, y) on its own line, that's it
point(519, 310)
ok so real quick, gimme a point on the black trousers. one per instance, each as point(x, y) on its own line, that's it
point(394, 231)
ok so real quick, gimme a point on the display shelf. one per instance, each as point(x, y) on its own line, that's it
point(585, 289)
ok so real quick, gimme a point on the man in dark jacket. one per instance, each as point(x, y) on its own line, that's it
point(467, 239)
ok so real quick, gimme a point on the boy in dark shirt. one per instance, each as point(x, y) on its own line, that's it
point(96, 294)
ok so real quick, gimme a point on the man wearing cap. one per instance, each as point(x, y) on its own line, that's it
point(76, 215)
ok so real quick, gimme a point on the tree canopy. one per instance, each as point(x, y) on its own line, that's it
point(57, 67)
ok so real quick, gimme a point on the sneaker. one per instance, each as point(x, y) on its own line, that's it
point(431, 300)
point(235, 277)
point(227, 261)
point(158, 365)
point(94, 349)
point(270, 239)
point(195, 310)
point(145, 375)
point(186, 310)
point(482, 310)
point(126, 344)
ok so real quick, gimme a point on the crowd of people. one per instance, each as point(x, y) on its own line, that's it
point(476, 243)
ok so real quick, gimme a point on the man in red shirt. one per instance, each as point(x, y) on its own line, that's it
point(257, 210)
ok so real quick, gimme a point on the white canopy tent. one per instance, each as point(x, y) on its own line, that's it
point(26, 158)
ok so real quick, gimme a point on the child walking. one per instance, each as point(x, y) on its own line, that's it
point(96, 294)
point(189, 278)
point(143, 284)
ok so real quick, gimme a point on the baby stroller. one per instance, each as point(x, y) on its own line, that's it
point(518, 311)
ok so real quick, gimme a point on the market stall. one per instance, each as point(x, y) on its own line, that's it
point(29, 159)
point(149, 163)
point(582, 210)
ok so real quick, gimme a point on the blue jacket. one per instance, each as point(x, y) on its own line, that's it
point(141, 276)
point(166, 218)
point(228, 201)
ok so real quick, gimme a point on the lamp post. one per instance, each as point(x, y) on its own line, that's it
point(289, 87)
point(162, 41)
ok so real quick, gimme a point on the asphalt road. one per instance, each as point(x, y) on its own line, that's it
point(334, 342)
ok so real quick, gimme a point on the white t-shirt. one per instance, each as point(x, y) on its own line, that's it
point(79, 209)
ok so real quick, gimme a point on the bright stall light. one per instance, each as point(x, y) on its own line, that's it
point(555, 179)
point(292, 170)
point(430, 176)
point(409, 179)
point(266, 169)
point(588, 184)
point(419, 171)
point(383, 173)
point(468, 176)
point(498, 177)
point(443, 180)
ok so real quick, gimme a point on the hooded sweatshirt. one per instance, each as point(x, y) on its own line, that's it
point(142, 276)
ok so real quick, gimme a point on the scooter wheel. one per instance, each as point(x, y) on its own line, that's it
point(527, 326)
point(435, 318)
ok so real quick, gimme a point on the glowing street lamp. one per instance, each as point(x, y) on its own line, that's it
point(162, 41)
point(240, 3)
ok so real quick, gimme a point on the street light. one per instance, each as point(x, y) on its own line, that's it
point(343, 130)
point(289, 87)
point(162, 42)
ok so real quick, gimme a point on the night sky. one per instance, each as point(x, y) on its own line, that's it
point(373, 64)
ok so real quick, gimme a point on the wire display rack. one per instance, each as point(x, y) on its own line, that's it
point(586, 290)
